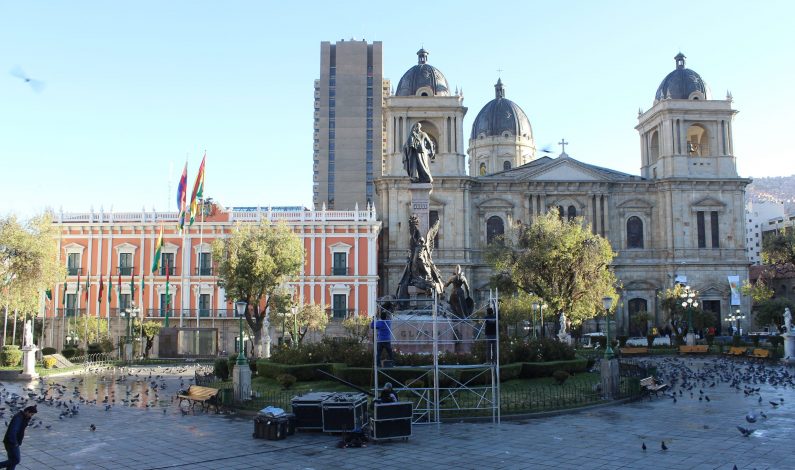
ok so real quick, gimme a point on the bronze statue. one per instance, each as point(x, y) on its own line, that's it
point(460, 299)
point(418, 151)
point(420, 271)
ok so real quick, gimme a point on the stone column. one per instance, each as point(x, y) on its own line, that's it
point(420, 203)
point(241, 379)
point(789, 348)
point(610, 378)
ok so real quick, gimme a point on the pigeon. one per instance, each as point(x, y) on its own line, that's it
point(750, 417)
point(663, 446)
point(706, 397)
point(92, 428)
point(762, 414)
point(643, 446)
point(775, 405)
point(745, 432)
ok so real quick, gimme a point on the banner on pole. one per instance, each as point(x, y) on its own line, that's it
point(734, 285)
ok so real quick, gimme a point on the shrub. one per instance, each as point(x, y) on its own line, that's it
point(48, 351)
point(560, 376)
point(710, 339)
point(602, 342)
point(622, 340)
point(10, 355)
point(252, 365)
point(286, 380)
point(737, 341)
point(510, 371)
point(94, 348)
point(106, 344)
point(69, 352)
point(303, 372)
point(221, 369)
point(755, 339)
point(532, 370)
point(650, 340)
point(48, 362)
point(776, 341)
point(361, 376)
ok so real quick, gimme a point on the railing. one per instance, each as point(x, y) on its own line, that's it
point(341, 271)
point(203, 271)
point(70, 312)
point(190, 313)
point(125, 270)
point(172, 270)
point(340, 313)
point(73, 271)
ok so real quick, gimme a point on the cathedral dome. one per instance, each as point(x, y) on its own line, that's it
point(682, 84)
point(501, 115)
point(423, 79)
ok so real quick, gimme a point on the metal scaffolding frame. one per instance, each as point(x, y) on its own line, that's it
point(442, 391)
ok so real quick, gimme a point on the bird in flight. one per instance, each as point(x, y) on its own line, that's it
point(35, 85)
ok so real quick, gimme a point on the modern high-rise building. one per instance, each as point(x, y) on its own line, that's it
point(348, 128)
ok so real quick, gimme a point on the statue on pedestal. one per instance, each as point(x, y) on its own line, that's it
point(420, 271)
point(418, 151)
point(788, 320)
point(27, 339)
point(460, 298)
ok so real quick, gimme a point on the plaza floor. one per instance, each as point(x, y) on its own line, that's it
point(699, 434)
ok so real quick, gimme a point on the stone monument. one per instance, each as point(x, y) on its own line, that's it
point(28, 353)
point(563, 335)
point(789, 338)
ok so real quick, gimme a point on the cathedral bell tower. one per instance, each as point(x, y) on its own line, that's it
point(686, 134)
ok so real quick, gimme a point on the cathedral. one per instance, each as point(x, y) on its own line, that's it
point(680, 220)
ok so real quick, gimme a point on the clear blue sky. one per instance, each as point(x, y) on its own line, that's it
point(134, 87)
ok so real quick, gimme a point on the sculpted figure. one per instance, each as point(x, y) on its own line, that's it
point(418, 151)
point(460, 298)
point(420, 271)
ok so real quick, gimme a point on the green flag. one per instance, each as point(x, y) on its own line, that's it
point(63, 297)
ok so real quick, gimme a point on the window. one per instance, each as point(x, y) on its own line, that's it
point(71, 305)
point(634, 232)
point(635, 306)
point(339, 307)
point(433, 216)
point(697, 141)
point(124, 302)
point(164, 305)
point(713, 222)
point(167, 262)
point(205, 267)
point(204, 305)
point(572, 213)
point(73, 263)
point(702, 237)
point(125, 264)
point(339, 264)
point(506, 165)
point(494, 228)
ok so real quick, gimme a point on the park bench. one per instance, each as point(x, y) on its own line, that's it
point(631, 351)
point(736, 351)
point(760, 353)
point(207, 396)
point(697, 349)
point(650, 385)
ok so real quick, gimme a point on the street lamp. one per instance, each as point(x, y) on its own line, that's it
point(736, 317)
point(689, 302)
point(240, 308)
point(535, 306)
point(607, 302)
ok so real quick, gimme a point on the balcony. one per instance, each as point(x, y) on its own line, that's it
point(74, 271)
point(340, 271)
point(70, 312)
point(172, 270)
point(203, 271)
point(340, 313)
point(125, 270)
point(190, 313)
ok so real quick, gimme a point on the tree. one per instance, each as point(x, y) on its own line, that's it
point(559, 261)
point(771, 312)
point(357, 327)
point(28, 263)
point(779, 248)
point(252, 264)
point(516, 310)
point(758, 291)
point(309, 317)
point(149, 329)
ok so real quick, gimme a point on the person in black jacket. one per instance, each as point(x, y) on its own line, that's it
point(15, 434)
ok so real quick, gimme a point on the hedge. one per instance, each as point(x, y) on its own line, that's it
point(532, 370)
point(510, 371)
point(361, 376)
point(302, 372)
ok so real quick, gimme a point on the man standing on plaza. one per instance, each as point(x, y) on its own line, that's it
point(14, 436)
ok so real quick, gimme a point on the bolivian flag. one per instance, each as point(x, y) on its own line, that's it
point(158, 252)
point(198, 191)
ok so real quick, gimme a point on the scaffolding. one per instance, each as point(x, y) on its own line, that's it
point(428, 326)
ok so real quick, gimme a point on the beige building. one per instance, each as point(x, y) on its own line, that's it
point(681, 218)
point(348, 132)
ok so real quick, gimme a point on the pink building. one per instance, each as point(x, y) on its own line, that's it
point(340, 269)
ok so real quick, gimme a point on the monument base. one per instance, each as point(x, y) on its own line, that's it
point(241, 379)
point(421, 203)
point(789, 348)
point(29, 363)
point(610, 378)
point(690, 340)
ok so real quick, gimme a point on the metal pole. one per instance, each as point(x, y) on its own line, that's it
point(241, 357)
point(608, 349)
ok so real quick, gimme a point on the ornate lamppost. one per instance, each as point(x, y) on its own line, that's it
point(689, 302)
point(607, 302)
point(242, 373)
point(736, 316)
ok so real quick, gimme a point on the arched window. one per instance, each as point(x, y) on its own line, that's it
point(697, 141)
point(654, 147)
point(636, 326)
point(634, 232)
point(494, 228)
point(482, 169)
point(506, 165)
point(572, 212)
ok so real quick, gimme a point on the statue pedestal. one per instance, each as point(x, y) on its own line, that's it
point(420, 204)
point(241, 379)
point(789, 348)
point(128, 352)
point(690, 339)
point(565, 338)
point(29, 362)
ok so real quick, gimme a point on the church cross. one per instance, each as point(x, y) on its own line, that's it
point(563, 145)
point(499, 72)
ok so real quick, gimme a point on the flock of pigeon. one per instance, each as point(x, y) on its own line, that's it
point(68, 395)
point(696, 379)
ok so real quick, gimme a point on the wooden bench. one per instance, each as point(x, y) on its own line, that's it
point(631, 351)
point(697, 349)
point(207, 396)
point(760, 353)
point(736, 351)
point(650, 385)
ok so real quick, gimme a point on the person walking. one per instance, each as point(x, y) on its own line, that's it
point(14, 435)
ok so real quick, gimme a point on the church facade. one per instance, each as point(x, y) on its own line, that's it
point(680, 220)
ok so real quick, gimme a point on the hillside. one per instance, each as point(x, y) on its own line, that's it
point(774, 188)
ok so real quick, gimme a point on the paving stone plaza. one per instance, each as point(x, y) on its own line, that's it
point(154, 433)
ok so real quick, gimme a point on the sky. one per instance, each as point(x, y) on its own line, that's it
point(133, 89)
